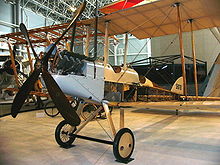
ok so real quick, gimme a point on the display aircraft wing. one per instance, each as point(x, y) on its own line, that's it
point(160, 18)
point(119, 5)
point(38, 37)
point(193, 106)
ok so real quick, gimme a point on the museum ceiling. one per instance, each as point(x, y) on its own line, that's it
point(60, 10)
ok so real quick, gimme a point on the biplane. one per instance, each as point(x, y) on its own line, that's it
point(100, 83)
point(6, 74)
point(7, 70)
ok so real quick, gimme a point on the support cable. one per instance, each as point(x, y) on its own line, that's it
point(147, 42)
point(104, 129)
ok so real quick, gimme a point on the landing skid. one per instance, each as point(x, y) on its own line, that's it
point(123, 143)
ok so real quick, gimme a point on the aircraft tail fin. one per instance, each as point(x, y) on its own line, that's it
point(178, 86)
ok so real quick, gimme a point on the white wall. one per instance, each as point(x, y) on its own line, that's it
point(5, 15)
point(30, 19)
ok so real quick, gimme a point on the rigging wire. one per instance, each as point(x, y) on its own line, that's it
point(104, 129)
point(149, 20)
point(171, 9)
point(158, 27)
point(213, 91)
point(102, 155)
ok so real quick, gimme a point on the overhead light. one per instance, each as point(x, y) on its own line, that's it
point(164, 67)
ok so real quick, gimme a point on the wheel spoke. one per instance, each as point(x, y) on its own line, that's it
point(62, 134)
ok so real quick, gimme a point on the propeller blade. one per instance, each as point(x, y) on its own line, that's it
point(26, 35)
point(60, 100)
point(77, 13)
point(23, 92)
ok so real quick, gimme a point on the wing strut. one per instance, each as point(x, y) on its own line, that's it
point(194, 57)
point(13, 63)
point(180, 31)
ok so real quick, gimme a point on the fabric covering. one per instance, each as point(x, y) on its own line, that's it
point(119, 5)
point(160, 18)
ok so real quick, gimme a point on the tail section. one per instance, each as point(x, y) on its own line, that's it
point(178, 86)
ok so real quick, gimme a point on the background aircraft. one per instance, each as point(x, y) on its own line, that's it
point(7, 75)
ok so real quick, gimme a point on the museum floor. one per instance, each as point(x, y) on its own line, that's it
point(162, 138)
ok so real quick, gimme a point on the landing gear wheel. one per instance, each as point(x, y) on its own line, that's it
point(50, 109)
point(123, 145)
point(62, 134)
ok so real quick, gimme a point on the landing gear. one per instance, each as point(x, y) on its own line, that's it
point(87, 110)
point(123, 145)
point(62, 134)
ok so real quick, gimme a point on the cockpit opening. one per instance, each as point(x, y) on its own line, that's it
point(69, 63)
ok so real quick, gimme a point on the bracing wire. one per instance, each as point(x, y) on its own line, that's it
point(146, 42)
point(104, 129)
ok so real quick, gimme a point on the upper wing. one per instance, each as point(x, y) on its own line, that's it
point(160, 18)
point(119, 5)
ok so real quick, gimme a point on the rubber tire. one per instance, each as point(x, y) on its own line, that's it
point(59, 141)
point(116, 145)
point(47, 112)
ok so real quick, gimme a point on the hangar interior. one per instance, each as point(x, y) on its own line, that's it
point(160, 81)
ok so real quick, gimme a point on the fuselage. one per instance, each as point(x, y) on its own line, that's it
point(90, 83)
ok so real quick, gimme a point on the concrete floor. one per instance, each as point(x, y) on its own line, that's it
point(162, 138)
